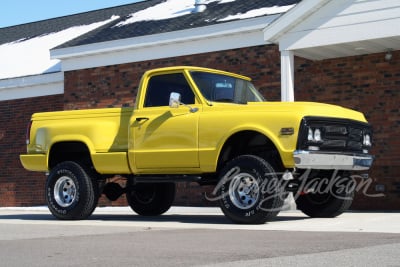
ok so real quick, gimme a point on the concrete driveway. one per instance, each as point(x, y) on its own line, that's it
point(196, 237)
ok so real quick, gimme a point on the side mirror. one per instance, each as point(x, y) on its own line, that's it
point(174, 100)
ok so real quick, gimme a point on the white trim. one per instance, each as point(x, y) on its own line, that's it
point(164, 51)
point(333, 36)
point(274, 31)
point(32, 86)
point(217, 37)
point(345, 22)
point(287, 76)
point(320, 29)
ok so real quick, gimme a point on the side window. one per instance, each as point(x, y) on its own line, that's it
point(160, 87)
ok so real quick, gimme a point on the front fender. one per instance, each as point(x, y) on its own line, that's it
point(215, 130)
point(285, 144)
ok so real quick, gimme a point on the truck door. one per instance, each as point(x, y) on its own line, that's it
point(162, 137)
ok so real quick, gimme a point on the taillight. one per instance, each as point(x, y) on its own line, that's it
point(28, 133)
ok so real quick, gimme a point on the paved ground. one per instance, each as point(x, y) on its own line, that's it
point(196, 237)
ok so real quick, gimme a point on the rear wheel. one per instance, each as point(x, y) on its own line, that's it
point(250, 190)
point(71, 194)
point(150, 199)
point(327, 198)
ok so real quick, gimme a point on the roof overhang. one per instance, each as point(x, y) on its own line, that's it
point(32, 86)
point(223, 36)
point(340, 28)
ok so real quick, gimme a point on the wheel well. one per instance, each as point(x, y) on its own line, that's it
point(252, 143)
point(73, 151)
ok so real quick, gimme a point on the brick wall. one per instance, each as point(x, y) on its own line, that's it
point(19, 187)
point(366, 83)
point(371, 85)
point(116, 86)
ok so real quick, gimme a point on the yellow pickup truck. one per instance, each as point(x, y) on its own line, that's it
point(203, 125)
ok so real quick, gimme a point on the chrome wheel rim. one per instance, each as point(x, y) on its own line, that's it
point(64, 191)
point(244, 191)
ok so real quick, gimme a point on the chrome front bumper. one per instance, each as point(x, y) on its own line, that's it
point(331, 161)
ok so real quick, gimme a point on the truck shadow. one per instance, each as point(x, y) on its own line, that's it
point(167, 218)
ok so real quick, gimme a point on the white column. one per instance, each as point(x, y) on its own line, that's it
point(287, 76)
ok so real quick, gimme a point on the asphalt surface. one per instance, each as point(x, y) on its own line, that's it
point(196, 237)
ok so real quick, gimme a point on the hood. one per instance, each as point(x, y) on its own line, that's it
point(300, 109)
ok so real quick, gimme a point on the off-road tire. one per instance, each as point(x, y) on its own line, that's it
point(330, 203)
point(150, 199)
point(70, 192)
point(250, 190)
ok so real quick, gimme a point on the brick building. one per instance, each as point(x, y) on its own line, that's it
point(341, 52)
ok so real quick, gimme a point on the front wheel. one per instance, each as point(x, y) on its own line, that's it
point(71, 194)
point(250, 190)
point(329, 196)
point(150, 199)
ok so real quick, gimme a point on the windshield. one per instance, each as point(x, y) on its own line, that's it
point(223, 88)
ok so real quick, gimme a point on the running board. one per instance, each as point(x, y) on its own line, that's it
point(166, 179)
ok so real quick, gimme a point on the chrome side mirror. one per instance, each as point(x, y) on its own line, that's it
point(174, 100)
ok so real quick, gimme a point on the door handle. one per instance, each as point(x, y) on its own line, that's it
point(139, 119)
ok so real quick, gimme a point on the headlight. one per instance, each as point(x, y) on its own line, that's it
point(314, 135)
point(310, 136)
point(367, 140)
point(317, 135)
